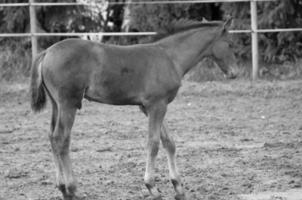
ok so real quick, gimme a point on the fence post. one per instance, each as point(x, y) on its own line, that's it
point(254, 35)
point(34, 42)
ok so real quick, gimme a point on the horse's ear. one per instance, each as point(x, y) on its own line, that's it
point(227, 24)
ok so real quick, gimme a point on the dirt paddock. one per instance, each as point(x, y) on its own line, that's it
point(233, 139)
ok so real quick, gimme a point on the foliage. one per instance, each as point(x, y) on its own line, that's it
point(14, 19)
point(14, 52)
point(274, 47)
point(152, 17)
point(14, 61)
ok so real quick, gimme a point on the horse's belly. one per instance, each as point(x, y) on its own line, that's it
point(114, 86)
point(112, 95)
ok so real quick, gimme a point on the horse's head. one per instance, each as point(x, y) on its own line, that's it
point(222, 53)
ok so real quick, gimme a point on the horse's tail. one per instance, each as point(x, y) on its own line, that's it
point(38, 96)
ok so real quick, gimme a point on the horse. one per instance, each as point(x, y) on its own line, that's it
point(146, 75)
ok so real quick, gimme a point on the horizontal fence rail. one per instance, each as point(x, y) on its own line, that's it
point(78, 34)
point(134, 33)
point(122, 3)
point(254, 31)
point(278, 30)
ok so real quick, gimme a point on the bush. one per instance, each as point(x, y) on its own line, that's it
point(15, 59)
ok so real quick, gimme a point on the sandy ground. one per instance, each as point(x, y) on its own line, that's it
point(233, 139)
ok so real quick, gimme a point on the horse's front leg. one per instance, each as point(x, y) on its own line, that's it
point(60, 142)
point(156, 115)
point(169, 145)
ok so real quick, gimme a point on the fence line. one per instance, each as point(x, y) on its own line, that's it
point(135, 33)
point(253, 31)
point(79, 34)
point(122, 3)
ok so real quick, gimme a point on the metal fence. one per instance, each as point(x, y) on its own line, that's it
point(33, 33)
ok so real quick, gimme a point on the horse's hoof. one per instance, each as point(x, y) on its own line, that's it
point(180, 197)
point(68, 198)
point(72, 198)
point(157, 198)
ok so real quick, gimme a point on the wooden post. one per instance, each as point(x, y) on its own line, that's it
point(34, 42)
point(254, 36)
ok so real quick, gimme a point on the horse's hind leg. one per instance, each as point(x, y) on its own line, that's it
point(60, 142)
point(156, 115)
point(169, 145)
point(54, 117)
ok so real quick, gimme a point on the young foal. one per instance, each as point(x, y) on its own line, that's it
point(146, 75)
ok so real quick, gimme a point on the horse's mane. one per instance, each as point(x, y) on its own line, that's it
point(182, 25)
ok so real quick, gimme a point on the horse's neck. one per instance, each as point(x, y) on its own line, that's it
point(187, 49)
